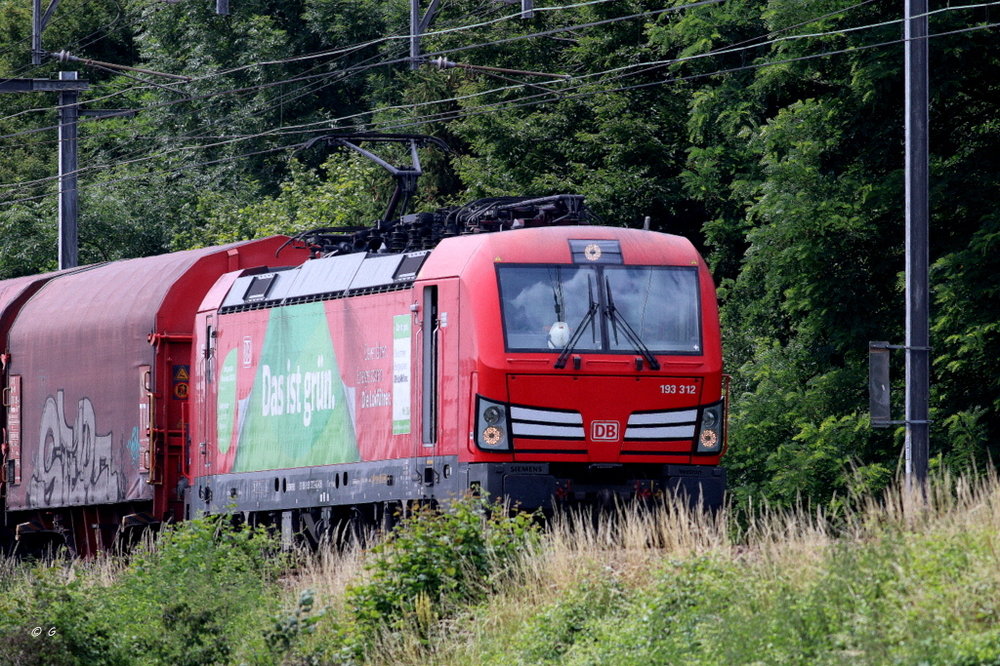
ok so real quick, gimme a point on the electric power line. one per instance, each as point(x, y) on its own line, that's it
point(649, 65)
point(648, 14)
point(493, 107)
point(326, 122)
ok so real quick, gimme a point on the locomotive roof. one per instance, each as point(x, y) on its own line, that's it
point(325, 278)
point(558, 245)
point(362, 273)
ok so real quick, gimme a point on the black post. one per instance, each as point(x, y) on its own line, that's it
point(917, 214)
point(36, 32)
point(39, 19)
point(415, 34)
point(68, 209)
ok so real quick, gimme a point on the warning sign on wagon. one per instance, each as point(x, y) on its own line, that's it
point(181, 380)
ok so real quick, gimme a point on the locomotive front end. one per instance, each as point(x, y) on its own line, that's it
point(598, 368)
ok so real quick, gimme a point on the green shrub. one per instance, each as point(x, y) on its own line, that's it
point(547, 636)
point(197, 595)
point(432, 564)
point(46, 619)
point(288, 627)
point(199, 592)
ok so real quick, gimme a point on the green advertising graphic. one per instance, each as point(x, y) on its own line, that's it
point(297, 413)
point(226, 405)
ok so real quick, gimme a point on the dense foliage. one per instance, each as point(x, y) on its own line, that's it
point(197, 596)
point(768, 131)
point(475, 585)
point(209, 592)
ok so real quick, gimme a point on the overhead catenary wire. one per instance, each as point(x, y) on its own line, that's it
point(651, 64)
point(532, 100)
point(326, 122)
point(432, 33)
point(491, 108)
point(346, 50)
point(447, 115)
point(671, 61)
point(326, 80)
point(648, 14)
point(529, 101)
point(430, 119)
point(562, 92)
point(444, 51)
point(248, 89)
point(65, 56)
point(82, 42)
point(771, 33)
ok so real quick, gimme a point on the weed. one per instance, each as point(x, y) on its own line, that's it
point(435, 562)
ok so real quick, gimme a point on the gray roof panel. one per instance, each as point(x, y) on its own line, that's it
point(241, 288)
point(324, 276)
point(376, 271)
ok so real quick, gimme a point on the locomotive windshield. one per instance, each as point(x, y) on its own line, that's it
point(545, 307)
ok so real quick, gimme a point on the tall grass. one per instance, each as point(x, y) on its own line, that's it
point(900, 578)
point(196, 595)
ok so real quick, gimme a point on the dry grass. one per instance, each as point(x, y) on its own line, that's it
point(792, 548)
point(942, 553)
point(327, 571)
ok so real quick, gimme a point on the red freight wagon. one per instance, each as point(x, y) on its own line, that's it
point(97, 365)
point(563, 362)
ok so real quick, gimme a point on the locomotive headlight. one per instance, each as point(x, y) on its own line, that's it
point(491, 425)
point(711, 431)
point(493, 414)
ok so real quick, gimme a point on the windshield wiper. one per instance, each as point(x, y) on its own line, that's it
point(616, 318)
point(557, 296)
point(588, 320)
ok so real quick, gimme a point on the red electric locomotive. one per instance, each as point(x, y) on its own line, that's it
point(542, 362)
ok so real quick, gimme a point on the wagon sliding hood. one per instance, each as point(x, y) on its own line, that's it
point(96, 367)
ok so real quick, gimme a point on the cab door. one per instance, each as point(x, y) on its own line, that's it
point(438, 378)
point(204, 355)
point(430, 366)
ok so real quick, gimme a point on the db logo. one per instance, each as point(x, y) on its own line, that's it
point(604, 431)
